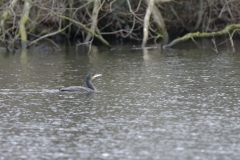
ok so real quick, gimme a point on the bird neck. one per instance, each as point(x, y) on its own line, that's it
point(90, 85)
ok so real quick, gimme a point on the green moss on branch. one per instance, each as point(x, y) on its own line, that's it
point(188, 36)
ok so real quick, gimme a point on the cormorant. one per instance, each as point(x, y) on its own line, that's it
point(90, 87)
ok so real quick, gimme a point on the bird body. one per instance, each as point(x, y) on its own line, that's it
point(77, 89)
point(90, 87)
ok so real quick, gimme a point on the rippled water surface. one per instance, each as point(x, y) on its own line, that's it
point(151, 104)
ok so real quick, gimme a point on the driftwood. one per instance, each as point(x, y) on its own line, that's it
point(188, 36)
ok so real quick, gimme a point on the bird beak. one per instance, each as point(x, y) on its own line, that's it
point(96, 75)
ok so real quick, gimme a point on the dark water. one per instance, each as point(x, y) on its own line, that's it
point(152, 104)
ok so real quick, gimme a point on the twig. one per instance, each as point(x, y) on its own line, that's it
point(85, 43)
point(215, 46)
point(48, 35)
point(86, 29)
point(232, 44)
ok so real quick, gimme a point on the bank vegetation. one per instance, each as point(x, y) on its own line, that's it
point(25, 23)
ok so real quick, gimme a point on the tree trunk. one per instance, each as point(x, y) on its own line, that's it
point(97, 4)
point(22, 23)
point(146, 22)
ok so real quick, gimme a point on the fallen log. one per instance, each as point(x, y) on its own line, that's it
point(188, 36)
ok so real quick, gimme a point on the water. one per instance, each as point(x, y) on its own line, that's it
point(152, 104)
